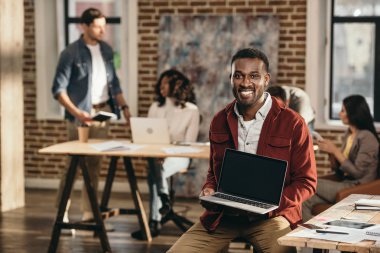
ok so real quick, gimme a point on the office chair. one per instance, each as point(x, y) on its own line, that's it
point(180, 221)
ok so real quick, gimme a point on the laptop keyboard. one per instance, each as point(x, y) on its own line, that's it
point(243, 201)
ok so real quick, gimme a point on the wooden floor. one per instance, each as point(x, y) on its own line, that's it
point(28, 229)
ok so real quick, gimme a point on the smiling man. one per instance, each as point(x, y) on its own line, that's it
point(254, 123)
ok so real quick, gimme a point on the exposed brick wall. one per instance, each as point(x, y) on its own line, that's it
point(41, 133)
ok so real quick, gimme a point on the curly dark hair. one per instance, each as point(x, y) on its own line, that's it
point(359, 114)
point(179, 87)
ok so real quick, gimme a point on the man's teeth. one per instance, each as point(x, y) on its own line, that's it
point(246, 92)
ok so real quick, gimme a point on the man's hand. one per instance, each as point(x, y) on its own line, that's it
point(208, 205)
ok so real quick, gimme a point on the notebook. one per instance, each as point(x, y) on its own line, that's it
point(149, 130)
point(249, 182)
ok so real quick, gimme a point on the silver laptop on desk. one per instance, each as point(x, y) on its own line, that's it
point(249, 182)
point(149, 130)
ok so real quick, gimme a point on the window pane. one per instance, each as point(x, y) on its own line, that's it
point(112, 37)
point(353, 63)
point(357, 8)
point(110, 8)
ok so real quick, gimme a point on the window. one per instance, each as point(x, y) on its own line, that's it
point(355, 47)
point(54, 32)
point(342, 55)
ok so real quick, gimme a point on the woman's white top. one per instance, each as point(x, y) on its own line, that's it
point(183, 122)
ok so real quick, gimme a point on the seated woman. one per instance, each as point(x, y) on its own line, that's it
point(175, 102)
point(356, 162)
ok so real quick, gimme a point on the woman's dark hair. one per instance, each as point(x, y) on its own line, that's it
point(179, 87)
point(358, 113)
point(89, 15)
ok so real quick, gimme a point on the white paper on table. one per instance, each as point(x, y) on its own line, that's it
point(114, 146)
point(373, 233)
point(354, 235)
point(358, 216)
point(368, 202)
point(181, 150)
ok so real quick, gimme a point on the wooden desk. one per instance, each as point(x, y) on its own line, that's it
point(343, 209)
point(77, 151)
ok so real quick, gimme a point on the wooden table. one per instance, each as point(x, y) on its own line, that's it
point(78, 151)
point(343, 209)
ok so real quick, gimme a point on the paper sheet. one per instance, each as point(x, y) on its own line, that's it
point(181, 150)
point(354, 235)
point(113, 146)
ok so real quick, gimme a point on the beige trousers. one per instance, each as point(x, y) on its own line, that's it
point(261, 234)
point(98, 130)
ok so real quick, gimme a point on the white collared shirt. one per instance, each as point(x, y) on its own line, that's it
point(249, 131)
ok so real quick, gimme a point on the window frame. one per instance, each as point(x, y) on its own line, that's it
point(360, 19)
point(318, 63)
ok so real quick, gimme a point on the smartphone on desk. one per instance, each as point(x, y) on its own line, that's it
point(310, 226)
point(349, 224)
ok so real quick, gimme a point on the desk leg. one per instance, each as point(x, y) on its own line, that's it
point(108, 185)
point(321, 251)
point(137, 198)
point(94, 206)
point(69, 181)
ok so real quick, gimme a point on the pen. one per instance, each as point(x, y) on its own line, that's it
point(331, 232)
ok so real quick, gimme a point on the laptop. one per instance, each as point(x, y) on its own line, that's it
point(249, 182)
point(149, 130)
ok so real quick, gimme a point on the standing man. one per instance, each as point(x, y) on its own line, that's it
point(85, 82)
point(255, 123)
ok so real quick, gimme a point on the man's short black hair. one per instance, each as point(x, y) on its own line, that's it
point(278, 92)
point(89, 15)
point(251, 53)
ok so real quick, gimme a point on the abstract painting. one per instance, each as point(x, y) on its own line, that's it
point(201, 47)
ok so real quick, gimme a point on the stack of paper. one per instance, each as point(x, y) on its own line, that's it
point(367, 204)
point(109, 146)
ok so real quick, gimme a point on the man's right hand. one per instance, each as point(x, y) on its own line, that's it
point(209, 205)
point(206, 192)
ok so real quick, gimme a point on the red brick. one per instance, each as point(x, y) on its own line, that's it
point(217, 3)
point(237, 3)
point(223, 10)
point(179, 3)
point(185, 10)
point(264, 10)
point(204, 10)
point(198, 3)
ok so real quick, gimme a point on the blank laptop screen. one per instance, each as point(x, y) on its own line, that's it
point(252, 176)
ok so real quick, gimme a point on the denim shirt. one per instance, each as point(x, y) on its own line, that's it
point(73, 76)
